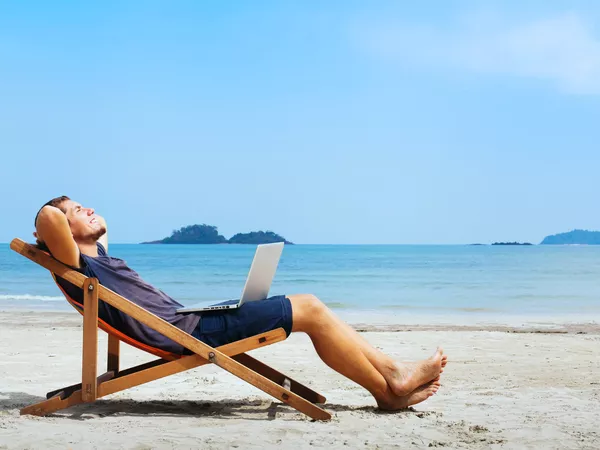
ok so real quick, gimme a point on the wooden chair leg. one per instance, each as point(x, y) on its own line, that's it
point(68, 390)
point(113, 354)
point(279, 378)
point(89, 368)
point(53, 404)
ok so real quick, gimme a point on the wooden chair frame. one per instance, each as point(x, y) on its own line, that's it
point(231, 357)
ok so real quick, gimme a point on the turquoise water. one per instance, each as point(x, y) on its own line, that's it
point(389, 280)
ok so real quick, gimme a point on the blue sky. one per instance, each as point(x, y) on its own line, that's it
point(327, 122)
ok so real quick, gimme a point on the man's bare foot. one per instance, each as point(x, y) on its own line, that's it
point(403, 379)
point(419, 395)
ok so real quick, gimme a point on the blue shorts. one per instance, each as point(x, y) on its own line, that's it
point(221, 327)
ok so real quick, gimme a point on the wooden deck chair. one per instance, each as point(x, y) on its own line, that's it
point(231, 357)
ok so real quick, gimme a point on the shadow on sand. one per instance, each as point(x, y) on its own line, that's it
point(223, 409)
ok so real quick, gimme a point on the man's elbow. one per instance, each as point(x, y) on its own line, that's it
point(49, 221)
point(49, 214)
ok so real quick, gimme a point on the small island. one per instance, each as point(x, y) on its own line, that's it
point(209, 234)
point(512, 243)
point(575, 237)
point(257, 237)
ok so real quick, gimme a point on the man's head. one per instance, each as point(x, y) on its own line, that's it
point(86, 226)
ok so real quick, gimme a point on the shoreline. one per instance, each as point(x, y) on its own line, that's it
point(70, 318)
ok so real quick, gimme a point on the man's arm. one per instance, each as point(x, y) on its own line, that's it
point(52, 228)
point(104, 239)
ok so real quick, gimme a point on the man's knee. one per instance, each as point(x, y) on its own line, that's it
point(307, 311)
point(306, 304)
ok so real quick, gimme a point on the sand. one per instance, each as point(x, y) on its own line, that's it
point(503, 388)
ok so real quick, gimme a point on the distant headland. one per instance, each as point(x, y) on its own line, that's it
point(575, 237)
point(208, 234)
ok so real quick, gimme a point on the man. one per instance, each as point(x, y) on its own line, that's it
point(77, 236)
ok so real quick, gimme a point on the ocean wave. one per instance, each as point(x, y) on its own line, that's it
point(339, 305)
point(440, 308)
point(41, 298)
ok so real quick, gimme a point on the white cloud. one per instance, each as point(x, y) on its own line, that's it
point(562, 49)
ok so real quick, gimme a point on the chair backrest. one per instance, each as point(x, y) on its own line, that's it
point(116, 333)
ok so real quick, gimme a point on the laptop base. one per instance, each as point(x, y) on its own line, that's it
point(228, 304)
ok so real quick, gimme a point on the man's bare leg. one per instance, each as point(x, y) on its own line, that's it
point(337, 343)
point(402, 377)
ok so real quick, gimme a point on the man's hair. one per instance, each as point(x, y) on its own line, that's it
point(56, 202)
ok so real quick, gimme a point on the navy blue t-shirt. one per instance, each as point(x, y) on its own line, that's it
point(114, 274)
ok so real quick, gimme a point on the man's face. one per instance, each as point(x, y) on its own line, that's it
point(86, 225)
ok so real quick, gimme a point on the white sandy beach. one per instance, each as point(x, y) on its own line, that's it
point(501, 389)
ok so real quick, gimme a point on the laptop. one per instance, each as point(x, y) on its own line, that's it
point(257, 284)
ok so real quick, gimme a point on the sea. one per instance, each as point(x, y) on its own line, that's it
point(377, 284)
